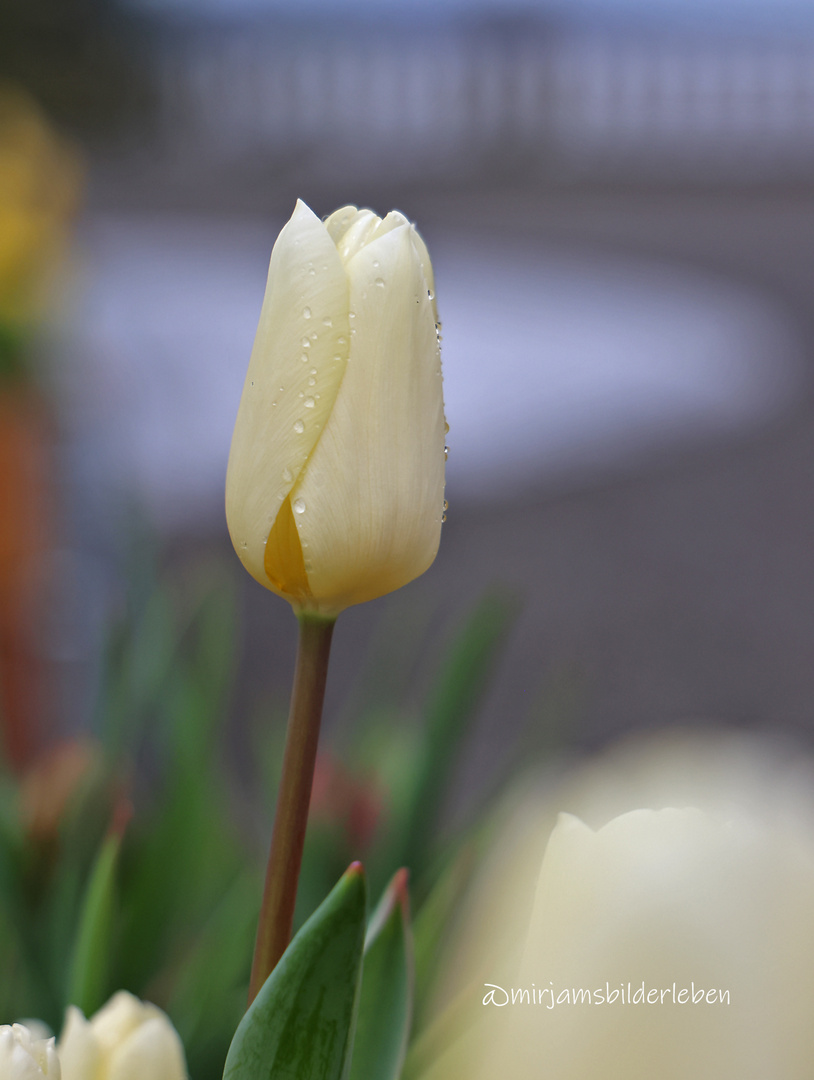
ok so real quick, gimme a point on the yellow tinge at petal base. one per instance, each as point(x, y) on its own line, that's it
point(337, 498)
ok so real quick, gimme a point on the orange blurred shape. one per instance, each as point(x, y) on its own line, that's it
point(339, 798)
point(49, 785)
point(25, 520)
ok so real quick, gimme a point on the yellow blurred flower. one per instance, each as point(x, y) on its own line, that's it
point(24, 1056)
point(675, 942)
point(335, 485)
point(40, 179)
point(127, 1039)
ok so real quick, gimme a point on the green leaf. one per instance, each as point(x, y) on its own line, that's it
point(385, 1003)
point(87, 985)
point(450, 711)
point(300, 1025)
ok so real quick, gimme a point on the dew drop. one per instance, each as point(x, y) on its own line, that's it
point(337, 359)
point(287, 477)
point(311, 270)
point(299, 506)
point(304, 358)
point(443, 518)
point(342, 340)
point(312, 381)
point(446, 428)
point(306, 313)
point(299, 427)
point(313, 371)
point(244, 544)
point(446, 505)
point(306, 343)
point(379, 282)
point(376, 262)
point(446, 452)
point(351, 314)
point(309, 403)
point(314, 336)
point(301, 394)
point(327, 321)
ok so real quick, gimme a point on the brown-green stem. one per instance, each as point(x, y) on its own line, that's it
point(293, 798)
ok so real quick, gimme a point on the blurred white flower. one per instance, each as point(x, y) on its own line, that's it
point(670, 943)
point(127, 1039)
point(23, 1056)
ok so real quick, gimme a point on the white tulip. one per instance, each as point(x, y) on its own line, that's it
point(663, 944)
point(23, 1056)
point(335, 484)
point(126, 1039)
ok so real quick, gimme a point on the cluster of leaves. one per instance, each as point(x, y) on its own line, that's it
point(144, 878)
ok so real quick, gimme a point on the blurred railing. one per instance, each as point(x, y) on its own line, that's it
point(499, 98)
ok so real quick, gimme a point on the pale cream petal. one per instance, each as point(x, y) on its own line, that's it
point(357, 235)
point(371, 500)
point(79, 1051)
point(153, 1051)
point(392, 221)
point(296, 367)
point(340, 221)
point(426, 268)
point(389, 222)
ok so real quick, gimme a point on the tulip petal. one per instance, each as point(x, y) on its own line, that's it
point(79, 1050)
point(296, 367)
point(357, 235)
point(340, 221)
point(372, 494)
point(153, 1051)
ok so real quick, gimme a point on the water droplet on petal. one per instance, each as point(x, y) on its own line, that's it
point(446, 452)
point(309, 403)
point(327, 321)
point(299, 506)
point(313, 371)
point(376, 262)
point(304, 358)
point(306, 343)
point(306, 313)
point(351, 314)
point(287, 477)
point(443, 518)
point(299, 427)
point(446, 505)
point(379, 282)
point(342, 340)
point(312, 381)
point(446, 428)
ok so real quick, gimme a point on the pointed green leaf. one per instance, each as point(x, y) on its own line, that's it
point(385, 1003)
point(87, 985)
point(300, 1025)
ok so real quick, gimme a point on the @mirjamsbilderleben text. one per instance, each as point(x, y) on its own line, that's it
point(618, 994)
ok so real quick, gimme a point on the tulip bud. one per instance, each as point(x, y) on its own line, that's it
point(335, 484)
point(25, 1057)
point(127, 1039)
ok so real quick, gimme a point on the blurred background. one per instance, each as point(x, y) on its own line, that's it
point(619, 201)
point(618, 196)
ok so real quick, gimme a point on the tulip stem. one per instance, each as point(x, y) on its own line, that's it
point(293, 798)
